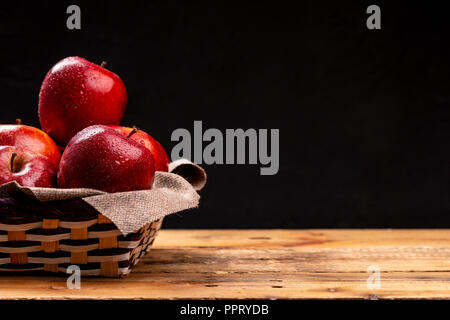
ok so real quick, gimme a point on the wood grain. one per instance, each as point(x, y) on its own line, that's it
point(268, 264)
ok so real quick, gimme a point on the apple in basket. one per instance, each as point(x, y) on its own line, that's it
point(77, 93)
point(30, 138)
point(26, 168)
point(102, 158)
point(158, 152)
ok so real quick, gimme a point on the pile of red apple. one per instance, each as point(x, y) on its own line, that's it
point(81, 105)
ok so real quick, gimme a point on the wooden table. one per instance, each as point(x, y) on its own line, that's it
point(269, 264)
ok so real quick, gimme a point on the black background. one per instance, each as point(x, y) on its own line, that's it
point(363, 114)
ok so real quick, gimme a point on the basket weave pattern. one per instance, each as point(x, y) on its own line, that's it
point(91, 241)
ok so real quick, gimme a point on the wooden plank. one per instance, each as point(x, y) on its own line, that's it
point(268, 264)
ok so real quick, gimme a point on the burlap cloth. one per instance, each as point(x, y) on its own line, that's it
point(129, 211)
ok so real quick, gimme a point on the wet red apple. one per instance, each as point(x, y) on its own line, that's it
point(29, 169)
point(101, 158)
point(76, 94)
point(158, 152)
point(33, 139)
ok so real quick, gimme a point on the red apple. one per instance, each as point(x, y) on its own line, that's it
point(101, 158)
point(76, 94)
point(29, 169)
point(158, 152)
point(30, 138)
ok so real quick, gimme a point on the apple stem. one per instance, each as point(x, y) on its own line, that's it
point(135, 130)
point(13, 156)
point(103, 64)
point(18, 121)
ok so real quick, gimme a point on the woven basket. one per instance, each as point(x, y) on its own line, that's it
point(46, 229)
point(53, 236)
